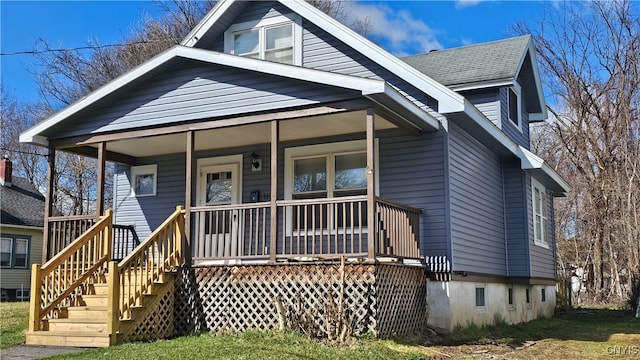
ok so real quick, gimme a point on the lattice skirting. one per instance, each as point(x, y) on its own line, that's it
point(384, 299)
point(157, 318)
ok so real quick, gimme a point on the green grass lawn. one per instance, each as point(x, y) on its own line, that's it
point(14, 317)
point(581, 333)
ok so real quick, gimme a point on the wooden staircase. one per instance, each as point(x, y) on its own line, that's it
point(86, 324)
point(80, 299)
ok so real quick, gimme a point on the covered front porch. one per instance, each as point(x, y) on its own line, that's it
point(295, 185)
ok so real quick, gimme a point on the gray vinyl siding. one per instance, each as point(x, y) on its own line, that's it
point(543, 262)
point(146, 213)
point(488, 103)
point(521, 137)
point(261, 10)
point(516, 218)
point(476, 206)
point(199, 91)
point(324, 52)
point(412, 172)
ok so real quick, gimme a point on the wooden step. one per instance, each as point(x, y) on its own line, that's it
point(94, 300)
point(98, 289)
point(87, 312)
point(78, 325)
point(68, 338)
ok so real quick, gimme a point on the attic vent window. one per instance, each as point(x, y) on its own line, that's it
point(276, 39)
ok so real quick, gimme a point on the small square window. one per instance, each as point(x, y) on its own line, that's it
point(480, 298)
point(144, 180)
point(543, 294)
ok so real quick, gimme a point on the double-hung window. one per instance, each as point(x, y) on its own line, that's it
point(540, 218)
point(276, 39)
point(14, 252)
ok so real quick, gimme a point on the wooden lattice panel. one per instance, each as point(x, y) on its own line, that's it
point(157, 320)
point(237, 298)
point(401, 292)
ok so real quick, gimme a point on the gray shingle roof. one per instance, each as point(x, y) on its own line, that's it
point(21, 204)
point(491, 61)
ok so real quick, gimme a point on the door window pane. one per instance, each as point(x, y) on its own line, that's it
point(310, 175)
point(246, 43)
point(219, 188)
point(351, 172)
point(5, 252)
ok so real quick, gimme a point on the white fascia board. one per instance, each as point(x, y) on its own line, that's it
point(203, 26)
point(531, 161)
point(33, 136)
point(483, 85)
point(396, 97)
point(448, 100)
point(538, 117)
point(366, 86)
point(491, 128)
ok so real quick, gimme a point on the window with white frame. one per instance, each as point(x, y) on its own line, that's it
point(514, 105)
point(144, 180)
point(14, 252)
point(276, 39)
point(540, 219)
point(327, 171)
point(481, 300)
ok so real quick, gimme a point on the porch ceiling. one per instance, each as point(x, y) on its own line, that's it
point(258, 133)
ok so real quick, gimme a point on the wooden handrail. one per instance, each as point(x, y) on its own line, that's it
point(162, 250)
point(57, 280)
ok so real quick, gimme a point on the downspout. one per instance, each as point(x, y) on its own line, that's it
point(504, 220)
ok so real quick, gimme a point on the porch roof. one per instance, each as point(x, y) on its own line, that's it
point(378, 91)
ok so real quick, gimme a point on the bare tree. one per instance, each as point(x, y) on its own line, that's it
point(590, 58)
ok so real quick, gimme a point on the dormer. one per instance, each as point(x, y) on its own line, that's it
point(500, 78)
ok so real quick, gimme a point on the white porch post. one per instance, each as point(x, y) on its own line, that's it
point(275, 128)
point(371, 211)
point(186, 248)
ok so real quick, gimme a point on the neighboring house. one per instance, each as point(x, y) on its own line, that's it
point(21, 222)
point(294, 142)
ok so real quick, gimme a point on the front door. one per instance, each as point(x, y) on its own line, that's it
point(219, 185)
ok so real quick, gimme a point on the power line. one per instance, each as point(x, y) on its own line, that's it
point(33, 52)
point(21, 152)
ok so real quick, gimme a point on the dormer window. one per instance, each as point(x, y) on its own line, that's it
point(513, 99)
point(276, 39)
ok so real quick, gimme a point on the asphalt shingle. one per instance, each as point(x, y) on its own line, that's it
point(21, 204)
point(491, 61)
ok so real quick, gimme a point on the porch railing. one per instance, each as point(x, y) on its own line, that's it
point(398, 232)
point(231, 231)
point(159, 253)
point(63, 230)
point(323, 227)
point(59, 281)
point(311, 228)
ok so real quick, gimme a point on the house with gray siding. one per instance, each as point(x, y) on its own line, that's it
point(276, 146)
point(21, 224)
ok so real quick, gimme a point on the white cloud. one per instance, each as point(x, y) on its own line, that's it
point(396, 30)
point(467, 3)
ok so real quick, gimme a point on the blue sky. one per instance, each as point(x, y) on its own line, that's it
point(402, 27)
